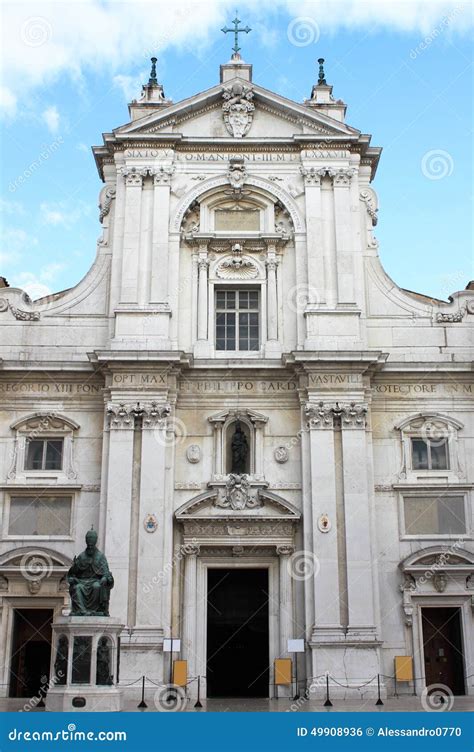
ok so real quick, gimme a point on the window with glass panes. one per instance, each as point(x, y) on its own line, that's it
point(237, 319)
point(44, 454)
point(429, 455)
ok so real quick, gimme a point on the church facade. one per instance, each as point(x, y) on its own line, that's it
point(270, 437)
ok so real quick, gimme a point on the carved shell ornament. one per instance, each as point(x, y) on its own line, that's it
point(237, 265)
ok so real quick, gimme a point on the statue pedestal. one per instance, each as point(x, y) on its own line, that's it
point(85, 663)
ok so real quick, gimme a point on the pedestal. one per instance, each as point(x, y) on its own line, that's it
point(85, 661)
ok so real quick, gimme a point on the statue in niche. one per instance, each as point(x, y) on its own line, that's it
point(103, 675)
point(90, 581)
point(240, 450)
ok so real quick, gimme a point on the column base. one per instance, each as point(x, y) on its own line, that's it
point(273, 348)
point(84, 699)
point(352, 664)
point(202, 349)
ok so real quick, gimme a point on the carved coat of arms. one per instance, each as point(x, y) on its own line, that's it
point(238, 494)
point(238, 109)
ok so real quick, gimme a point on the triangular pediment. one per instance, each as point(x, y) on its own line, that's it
point(201, 117)
point(212, 505)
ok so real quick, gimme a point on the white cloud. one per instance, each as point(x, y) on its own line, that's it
point(37, 285)
point(31, 284)
point(51, 118)
point(62, 213)
point(130, 85)
point(8, 103)
point(13, 242)
point(43, 40)
point(83, 147)
point(11, 207)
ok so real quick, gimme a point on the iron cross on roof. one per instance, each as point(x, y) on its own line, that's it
point(236, 31)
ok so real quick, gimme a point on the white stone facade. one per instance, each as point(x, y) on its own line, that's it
point(349, 369)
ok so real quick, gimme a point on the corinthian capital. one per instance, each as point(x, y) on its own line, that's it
point(161, 175)
point(154, 415)
point(122, 415)
point(134, 175)
point(343, 176)
point(312, 175)
point(320, 415)
point(353, 415)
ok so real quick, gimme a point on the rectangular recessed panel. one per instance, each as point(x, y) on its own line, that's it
point(246, 220)
point(436, 515)
point(40, 515)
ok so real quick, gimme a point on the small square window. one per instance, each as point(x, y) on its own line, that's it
point(44, 454)
point(428, 454)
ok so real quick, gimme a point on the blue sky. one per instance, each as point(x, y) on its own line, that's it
point(404, 69)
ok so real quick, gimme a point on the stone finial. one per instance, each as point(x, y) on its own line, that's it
point(153, 81)
point(321, 75)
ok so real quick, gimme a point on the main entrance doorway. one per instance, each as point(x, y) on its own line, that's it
point(237, 633)
point(31, 651)
point(442, 644)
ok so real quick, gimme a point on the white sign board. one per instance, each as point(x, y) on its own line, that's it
point(296, 646)
point(167, 645)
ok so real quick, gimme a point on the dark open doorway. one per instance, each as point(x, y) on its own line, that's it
point(442, 644)
point(237, 633)
point(31, 651)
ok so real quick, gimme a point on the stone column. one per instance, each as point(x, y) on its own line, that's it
point(160, 236)
point(121, 424)
point(191, 552)
point(133, 177)
point(272, 300)
point(344, 242)
point(273, 346)
point(202, 344)
point(323, 489)
point(357, 501)
point(314, 234)
point(152, 578)
point(286, 598)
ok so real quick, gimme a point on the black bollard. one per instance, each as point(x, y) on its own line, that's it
point(379, 699)
point(328, 703)
point(142, 703)
point(198, 703)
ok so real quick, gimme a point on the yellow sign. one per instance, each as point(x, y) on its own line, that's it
point(404, 668)
point(180, 673)
point(283, 671)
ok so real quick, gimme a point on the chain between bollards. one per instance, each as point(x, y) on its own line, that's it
point(328, 703)
point(198, 703)
point(142, 703)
